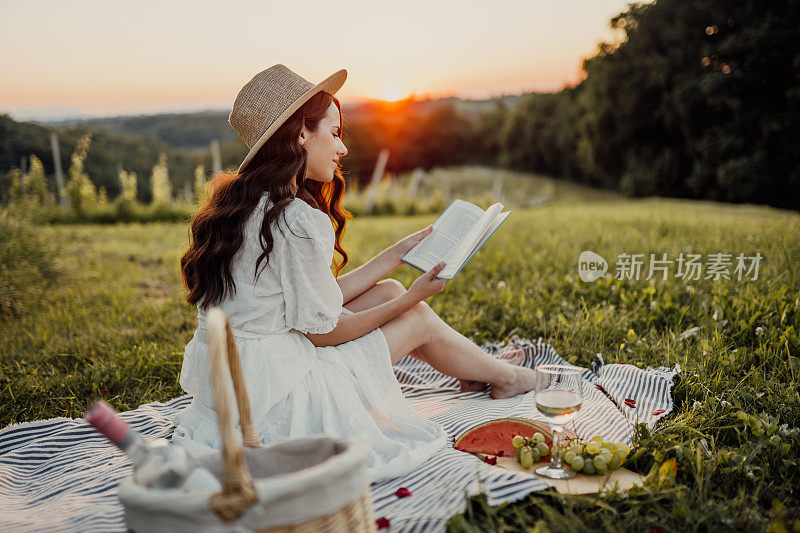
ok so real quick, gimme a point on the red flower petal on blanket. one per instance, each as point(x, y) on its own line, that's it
point(490, 460)
point(402, 492)
point(382, 523)
point(658, 412)
point(501, 453)
point(600, 388)
point(630, 403)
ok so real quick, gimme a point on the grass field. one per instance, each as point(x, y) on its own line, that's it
point(97, 311)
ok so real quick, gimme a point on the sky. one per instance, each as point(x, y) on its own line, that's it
point(75, 58)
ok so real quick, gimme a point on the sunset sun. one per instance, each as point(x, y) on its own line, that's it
point(392, 92)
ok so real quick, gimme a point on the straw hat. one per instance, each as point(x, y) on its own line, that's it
point(269, 99)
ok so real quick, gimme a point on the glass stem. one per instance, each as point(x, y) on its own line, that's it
point(555, 457)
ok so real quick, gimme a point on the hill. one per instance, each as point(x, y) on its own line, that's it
point(182, 130)
point(198, 129)
point(424, 133)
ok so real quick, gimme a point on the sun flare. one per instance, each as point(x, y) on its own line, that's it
point(392, 92)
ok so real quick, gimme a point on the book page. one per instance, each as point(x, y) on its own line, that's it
point(448, 231)
point(459, 253)
point(499, 219)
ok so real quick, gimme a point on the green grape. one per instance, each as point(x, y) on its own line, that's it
point(592, 447)
point(518, 441)
point(537, 438)
point(600, 463)
point(576, 463)
point(536, 455)
point(569, 456)
point(577, 449)
point(614, 463)
point(610, 445)
point(598, 439)
point(542, 448)
point(518, 452)
point(607, 453)
point(623, 449)
point(588, 467)
point(526, 457)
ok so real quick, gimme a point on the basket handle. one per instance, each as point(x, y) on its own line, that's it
point(238, 492)
point(249, 434)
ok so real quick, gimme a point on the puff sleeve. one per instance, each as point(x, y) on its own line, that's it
point(312, 295)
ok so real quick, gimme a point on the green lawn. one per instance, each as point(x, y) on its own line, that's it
point(97, 311)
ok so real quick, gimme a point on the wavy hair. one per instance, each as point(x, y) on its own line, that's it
point(216, 232)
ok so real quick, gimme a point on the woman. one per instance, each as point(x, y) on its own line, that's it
point(317, 351)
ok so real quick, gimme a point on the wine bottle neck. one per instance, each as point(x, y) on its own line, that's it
point(133, 444)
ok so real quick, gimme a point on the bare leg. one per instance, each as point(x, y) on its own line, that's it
point(453, 354)
point(511, 355)
point(422, 334)
point(381, 292)
point(387, 289)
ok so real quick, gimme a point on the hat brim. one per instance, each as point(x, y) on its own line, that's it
point(331, 85)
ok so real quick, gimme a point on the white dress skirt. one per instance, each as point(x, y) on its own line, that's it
point(295, 388)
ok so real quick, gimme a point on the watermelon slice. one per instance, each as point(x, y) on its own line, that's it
point(494, 437)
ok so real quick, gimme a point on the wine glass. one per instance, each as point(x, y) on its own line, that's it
point(559, 400)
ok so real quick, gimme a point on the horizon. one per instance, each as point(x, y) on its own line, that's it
point(175, 58)
point(172, 111)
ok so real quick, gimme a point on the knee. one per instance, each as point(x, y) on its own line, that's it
point(422, 308)
point(391, 287)
point(421, 314)
point(426, 321)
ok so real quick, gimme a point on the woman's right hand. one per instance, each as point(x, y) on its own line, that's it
point(427, 285)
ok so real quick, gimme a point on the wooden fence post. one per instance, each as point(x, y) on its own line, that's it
point(497, 188)
point(63, 199)
point(216, 158)
point(413, 184)
point(377, 174)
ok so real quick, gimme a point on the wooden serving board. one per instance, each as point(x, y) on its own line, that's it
point(580, 484)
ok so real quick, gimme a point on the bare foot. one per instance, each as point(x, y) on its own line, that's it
point(525, 380)
point(513, 356)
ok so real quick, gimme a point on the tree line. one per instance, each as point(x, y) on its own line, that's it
point(701, 99)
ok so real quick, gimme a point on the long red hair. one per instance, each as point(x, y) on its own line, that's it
point(216, 231)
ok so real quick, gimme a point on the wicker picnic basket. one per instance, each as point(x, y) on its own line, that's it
point(309, 484)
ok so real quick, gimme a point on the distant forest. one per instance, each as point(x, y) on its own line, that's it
point(701, 99)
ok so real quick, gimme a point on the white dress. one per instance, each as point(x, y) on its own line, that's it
point(295, 388)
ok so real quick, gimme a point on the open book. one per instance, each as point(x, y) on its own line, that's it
point(457, 234)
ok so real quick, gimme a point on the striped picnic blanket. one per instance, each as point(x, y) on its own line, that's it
point(60, 475)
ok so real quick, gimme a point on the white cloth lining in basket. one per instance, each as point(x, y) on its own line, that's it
point(295, 481)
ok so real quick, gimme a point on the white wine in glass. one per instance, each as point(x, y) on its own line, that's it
point(558, 400)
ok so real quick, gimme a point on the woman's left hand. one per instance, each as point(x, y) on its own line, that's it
point(402, 246)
